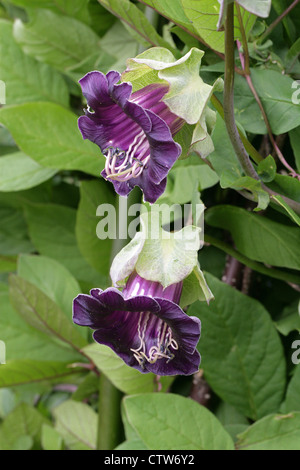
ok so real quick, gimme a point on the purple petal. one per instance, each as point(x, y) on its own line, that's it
point(111, 298)
point(113, 77)
point(87, 311)
point(125, 121)
point(150, 95)
point(93, 132)
point(95, 89)
point(182, 364)
point(186, 329)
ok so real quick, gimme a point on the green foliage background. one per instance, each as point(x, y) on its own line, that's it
point(50, 190)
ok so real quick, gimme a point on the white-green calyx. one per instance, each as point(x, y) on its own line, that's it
point(164, 257)
point(188, 95)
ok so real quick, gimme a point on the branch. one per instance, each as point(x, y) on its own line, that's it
point(229, 117)
point(277, 21)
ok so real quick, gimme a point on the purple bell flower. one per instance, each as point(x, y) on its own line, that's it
point(143, 325)
point(133, 130)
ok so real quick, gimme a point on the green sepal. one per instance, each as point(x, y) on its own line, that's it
point(188, 94)
point(164, 257)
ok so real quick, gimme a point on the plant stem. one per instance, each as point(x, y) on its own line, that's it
point(228, 97)
point(245, 61)
point(278, 20)
point(109, 415)
point(229, 117)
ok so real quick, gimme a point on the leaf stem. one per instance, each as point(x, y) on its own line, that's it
point(229, 117)
point(245, 62)
point(278, 20)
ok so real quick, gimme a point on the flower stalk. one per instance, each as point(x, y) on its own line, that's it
point(229, 117)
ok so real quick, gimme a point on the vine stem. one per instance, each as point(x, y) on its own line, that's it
point(229, 117)
point(229, 94)
point(109, 416)
point(245, 62)
point(278, 20)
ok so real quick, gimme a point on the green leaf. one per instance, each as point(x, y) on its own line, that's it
point(25, 78)
point(156, 254)
point(172, 10)
point(183, 177)
point(292, 395)
point(8, 263)
point(204, 15)
point(175, 423)
point(266, 169)
point(75, 8)
point(51, 439)
point(21, 428)
point(19, 172)
point(133, 18)
point(223, 159)
point(13, 233)
point(26, 371)
point(188, 95)
point(77, 424)
point(287, 186)
point(289, 319)
point(195, 288)
point(52, 278)
point(50, 222)
point(62, 42)
point(134, 444)
point(257, 237)
point(275, 432)
point(97, 252)
point(39, 311)
point(120, 44)
point(292, 63)
point(125, 378)
point(24, 341)
point(8, 402)
point(257, 7)
point(242, 355)
point(295, 143)
point(250, 184)
point(276, 92)
point(34, 125)
point(233, 421)
point(292, 214)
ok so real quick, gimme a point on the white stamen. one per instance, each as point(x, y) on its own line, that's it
point(130, 166)
point(161, 350)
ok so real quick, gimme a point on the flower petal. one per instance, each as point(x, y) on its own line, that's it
point(186, 329)
point(87, 311)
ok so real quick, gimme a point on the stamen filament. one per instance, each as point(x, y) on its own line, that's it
point(159, 351)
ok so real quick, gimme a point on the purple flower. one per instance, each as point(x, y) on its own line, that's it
point(133, 130)
point(143, 325)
